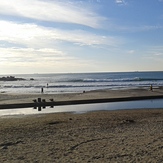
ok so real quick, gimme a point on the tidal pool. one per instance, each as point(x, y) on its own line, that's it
point(142, 104)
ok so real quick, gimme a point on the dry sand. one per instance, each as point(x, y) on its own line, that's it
point(110, 136)
point(102, 136)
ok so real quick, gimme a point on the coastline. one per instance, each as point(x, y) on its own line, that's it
point(8, 101)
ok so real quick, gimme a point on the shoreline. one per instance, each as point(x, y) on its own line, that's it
point(9, 101)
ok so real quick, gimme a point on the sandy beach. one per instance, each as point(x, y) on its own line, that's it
point(95, 96)
point(111, 136)
point(101, 136)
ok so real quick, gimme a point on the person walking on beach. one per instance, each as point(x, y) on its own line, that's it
point(42, 90)
point(151, 87)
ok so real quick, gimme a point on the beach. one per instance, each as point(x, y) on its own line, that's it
point(103, 136)
point(99, 136)
point(97, 95)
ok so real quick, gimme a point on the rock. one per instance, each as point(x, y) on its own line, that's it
point(10, 78)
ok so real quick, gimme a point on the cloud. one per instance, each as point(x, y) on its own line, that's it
point(154, 27)
point(27, 60)
point(34, 36)
point(130, 51)
point(32, 47)
point(120, 2)
point(140, 28)
point(158, 54)
point(155, 51)
point(154, 54)
point(32, 57)
point(53, 11)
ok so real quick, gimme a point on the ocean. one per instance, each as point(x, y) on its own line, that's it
point(79, 82)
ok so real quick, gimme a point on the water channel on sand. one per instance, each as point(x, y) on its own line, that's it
point(142, 104)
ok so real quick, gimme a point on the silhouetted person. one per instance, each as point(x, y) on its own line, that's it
point(42, 90)
point(151, 87)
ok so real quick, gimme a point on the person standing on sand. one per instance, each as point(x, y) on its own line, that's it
point(42, 90)
point(151, 87)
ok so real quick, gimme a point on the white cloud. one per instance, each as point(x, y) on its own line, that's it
point(158, 54)
point(154, 55)
point(28, 47)
point(140, 28)
point(155, 51)
point(121, 2)
point(27, 60)
point(54, 11)
point(131, 52)
point(30, 55)
point(35, 36)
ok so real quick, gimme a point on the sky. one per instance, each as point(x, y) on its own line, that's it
point(71, 36)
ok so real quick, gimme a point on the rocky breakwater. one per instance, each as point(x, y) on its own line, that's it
point(10, 78)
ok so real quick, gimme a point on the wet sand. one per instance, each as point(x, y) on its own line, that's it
point(26, 100)
point(102, 136)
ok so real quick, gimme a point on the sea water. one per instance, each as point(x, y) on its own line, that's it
point(79, 82)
